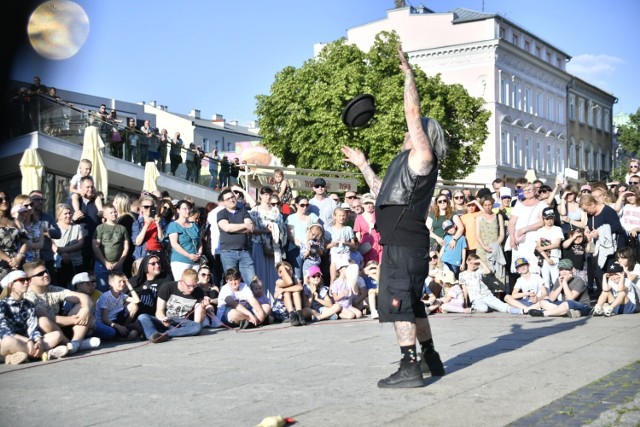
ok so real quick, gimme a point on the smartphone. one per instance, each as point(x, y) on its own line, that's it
point(153, 211)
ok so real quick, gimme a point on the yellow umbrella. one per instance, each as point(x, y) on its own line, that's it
point(31, 167)
point(151, 175)
point(92, 149)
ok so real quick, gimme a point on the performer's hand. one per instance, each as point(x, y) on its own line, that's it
point(404, 65)
point(354, 156)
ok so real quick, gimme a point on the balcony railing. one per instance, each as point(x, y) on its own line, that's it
point(59, 119)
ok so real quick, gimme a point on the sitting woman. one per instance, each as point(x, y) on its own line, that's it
point(12, 239)
point(68, 248)
point(19, 334)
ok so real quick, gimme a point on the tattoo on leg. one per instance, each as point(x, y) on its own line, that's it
point(405, 333)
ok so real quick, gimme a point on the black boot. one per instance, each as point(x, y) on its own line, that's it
point(431, 363)
point(301, 318)
point(407, 376)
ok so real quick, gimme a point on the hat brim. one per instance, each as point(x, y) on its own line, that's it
point(359, 111)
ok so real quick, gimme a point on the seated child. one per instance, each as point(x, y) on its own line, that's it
point(289, 291)
point(258, 292)
point(115, 310)
point(372, 276)
point(316, 293)
point(342, 291)
point(618, 293)
point(453, 299)
point(237, 307)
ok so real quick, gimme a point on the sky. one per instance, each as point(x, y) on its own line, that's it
point(216, 56)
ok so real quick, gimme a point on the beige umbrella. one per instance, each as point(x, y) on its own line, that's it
point(31, 168)
point(151, 175)
point(92, 149)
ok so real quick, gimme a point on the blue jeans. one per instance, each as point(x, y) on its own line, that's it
point(240, 260)
point(179, 328)
point(294, 257)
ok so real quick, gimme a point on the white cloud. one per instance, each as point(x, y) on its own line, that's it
point(593, 67)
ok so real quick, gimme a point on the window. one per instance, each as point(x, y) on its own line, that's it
point(581, 110)
point(517, 155)
point(527, 154)
point(504, 92)
point(560, 112)
point(205, 145)
point(572, 107)
point(539, 105)
point(572, 153)
point(560, 159)
point(538, 51)
point(558, 62)
point(581, 163)
point(527, 46)
point(550, 162)
point(599, 117)
point(504, 147)
point(590, 114)
point(539, 157)
point(549, 57)
point(515, 39)
point(607, 120)
point(549, 108)
point(516, 96)
point(501, 32)
point(527, 101)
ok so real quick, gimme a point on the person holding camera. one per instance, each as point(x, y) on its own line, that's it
point(147, 231)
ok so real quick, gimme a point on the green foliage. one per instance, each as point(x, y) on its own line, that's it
point(629, 139)
point(301, 123)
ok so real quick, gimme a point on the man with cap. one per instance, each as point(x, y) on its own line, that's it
point(19, 333)
point(322, 205)
point(618, 293)
point(350, 196)
point(402, 204)
point(548, 247)
point(569, 296)
point(529, 289)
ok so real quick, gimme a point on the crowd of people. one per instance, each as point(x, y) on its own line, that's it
point(157, 268)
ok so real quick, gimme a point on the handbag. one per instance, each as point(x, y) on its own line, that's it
point(267, 246)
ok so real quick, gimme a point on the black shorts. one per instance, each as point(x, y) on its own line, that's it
point(402, 275)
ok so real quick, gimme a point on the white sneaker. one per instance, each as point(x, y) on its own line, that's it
point(608, 310)
point(89, 343)
point(73, 346)
point(57, 352)
point(597, 311)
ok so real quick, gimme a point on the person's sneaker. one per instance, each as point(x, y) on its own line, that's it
point(431, 363)
point(597, 311)
point(407, 376)
point(293, 318)
point(334, 317)
point(73, 346)
point(57, 352)
point(157, 337)
point(535, 312)
point(16, 358)
point(89, 343)
point(574, 313)
point(301, 318)
point(374, 314)
point(607, 311)
point(245, 324)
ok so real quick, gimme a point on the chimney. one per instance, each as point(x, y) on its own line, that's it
point(217, 117)
point(233, 123)
point(195, 114)
point(152, 103)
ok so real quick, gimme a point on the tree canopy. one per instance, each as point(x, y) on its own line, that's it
point(300, 121)
point(629, 140)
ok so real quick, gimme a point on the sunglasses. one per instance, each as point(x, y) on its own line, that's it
point(21, 280)
point(3, 199)
point(443, 201)
point(319, 186)
point(433, 257)
point(303, 205)
point(205, 274)
point(37, 199)
point(458, 197)
point(27, 205)
point(40, 274)
point(153, 263)
point(145, 206)
point(634, 182)
point(274, 203)
point(350, 197)
point(585, 191)
point(315, 276)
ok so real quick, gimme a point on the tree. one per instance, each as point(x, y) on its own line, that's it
point(300, 121)
point(629, 140)
point(399, 4)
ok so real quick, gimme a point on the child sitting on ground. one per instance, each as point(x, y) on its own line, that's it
point(453, 299)
point(258, 292)
point(342, 291)
point(84, 169)
point(115, 310)
point(371, 277)
point(289, 291)
point(319, 301)
point(313, 248)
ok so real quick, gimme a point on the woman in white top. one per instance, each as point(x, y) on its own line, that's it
point(525, 218)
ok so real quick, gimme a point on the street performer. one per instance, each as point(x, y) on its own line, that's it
point(402, 204)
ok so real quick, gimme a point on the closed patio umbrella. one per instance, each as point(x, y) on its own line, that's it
point(93, 149)
point(151, 175)
point(31, 168)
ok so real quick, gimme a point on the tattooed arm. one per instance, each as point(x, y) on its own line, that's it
point(421, 156)
point(355, 156)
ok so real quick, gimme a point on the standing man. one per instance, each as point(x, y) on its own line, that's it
point(235, 226)
point(322, 205)
point(49, 224)
point(88, 216)
point(402, 203)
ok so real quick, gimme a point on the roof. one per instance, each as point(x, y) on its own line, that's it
point(461, 15)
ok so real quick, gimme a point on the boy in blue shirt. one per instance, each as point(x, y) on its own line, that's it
point(454, 251)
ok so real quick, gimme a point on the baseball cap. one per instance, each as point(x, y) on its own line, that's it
point(615, 268)
point(520, 262)
point(13, 276)
point(548, 213)
point(319, 182)
point(80, 278)
point(505, 192)
point(565, 264)
point(447, 224)
point(313, 270)
point(586, 187)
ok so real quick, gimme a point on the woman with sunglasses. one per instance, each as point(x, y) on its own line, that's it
point(12, 239)
point(459, 203)
point(184, 235)
point(632, 169)
point(35, 229)
point(269, 230)
point(490, 235)
point(147, 232)
point(297, 225)
point(147, 281)
point(442, 211)
point(571, 215)
point(526, 217)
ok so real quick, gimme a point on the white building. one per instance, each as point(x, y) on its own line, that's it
point(524, 84)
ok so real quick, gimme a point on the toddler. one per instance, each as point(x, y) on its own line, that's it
point(84, 169)
point(342, 291)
